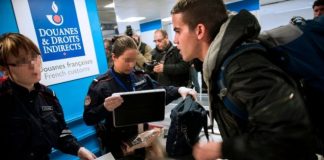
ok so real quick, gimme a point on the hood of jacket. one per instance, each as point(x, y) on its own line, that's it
point(238, 28)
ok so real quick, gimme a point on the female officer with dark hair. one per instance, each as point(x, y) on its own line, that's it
point(31, 119)
point(121, 78)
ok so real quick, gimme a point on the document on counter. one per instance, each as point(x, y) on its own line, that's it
point(107, 156)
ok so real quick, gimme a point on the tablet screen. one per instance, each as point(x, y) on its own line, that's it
point(140, 107)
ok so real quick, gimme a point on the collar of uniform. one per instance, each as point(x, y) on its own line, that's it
point(22, 90)
point(123, 77)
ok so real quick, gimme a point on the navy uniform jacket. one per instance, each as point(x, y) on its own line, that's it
point(32, 123)
point(104, 86)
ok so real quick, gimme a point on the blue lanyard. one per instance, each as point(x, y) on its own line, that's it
point(121, 84)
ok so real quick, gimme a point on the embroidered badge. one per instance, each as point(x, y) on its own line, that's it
point(47, 108)
point(140, 82)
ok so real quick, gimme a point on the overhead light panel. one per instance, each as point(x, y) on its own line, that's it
point(111, 5)
point(131, 19)
point(232, 1)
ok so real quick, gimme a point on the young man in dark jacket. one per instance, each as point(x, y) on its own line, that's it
point(277, 126)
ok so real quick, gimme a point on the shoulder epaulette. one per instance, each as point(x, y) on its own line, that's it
point(47, 90)
point(4, 89)
point(103, 77)
point(49, 96)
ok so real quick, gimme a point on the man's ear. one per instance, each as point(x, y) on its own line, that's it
point(201, 31)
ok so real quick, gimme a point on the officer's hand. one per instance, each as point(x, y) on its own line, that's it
point(85, 154)
point(183, 91)
point(113, 102)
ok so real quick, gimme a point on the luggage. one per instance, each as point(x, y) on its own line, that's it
point(187, 120)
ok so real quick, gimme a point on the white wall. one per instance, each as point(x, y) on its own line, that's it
point(169, 29)
point(274, 15)
point(148, 38)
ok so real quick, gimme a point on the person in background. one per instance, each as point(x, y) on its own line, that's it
point(194, 77)
point(144, 55)
point(170, 68)
point(318, 8)
point(277, 125)
point(32, 120)
point(122, 77)
point(199, 68)
point(145, 52)
point(107, 45)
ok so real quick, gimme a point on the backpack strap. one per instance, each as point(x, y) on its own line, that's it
point(233, 105)
point(205, 126)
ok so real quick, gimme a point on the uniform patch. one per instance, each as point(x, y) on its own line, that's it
point(47, 108)
point(140, 82)
point(87, 101)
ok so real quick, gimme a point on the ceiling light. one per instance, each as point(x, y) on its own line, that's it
point(232, 1)
point(130, 19)
point(111, 5)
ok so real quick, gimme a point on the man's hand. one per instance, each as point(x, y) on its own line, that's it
point(158, 68)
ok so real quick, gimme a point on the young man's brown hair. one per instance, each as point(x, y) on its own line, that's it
point(211, 13)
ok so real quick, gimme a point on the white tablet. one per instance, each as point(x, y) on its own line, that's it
point(140, 107)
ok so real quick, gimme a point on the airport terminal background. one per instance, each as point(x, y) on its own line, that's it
point(271, 13)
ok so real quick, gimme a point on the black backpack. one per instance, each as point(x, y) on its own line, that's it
point(187, 120)
point(301, 55)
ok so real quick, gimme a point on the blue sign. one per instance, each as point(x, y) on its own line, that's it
point(250, 5)
point(57, 29)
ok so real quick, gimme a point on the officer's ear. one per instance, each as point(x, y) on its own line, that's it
point(114, 57)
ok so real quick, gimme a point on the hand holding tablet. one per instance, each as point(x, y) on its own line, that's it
point(113, 102)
